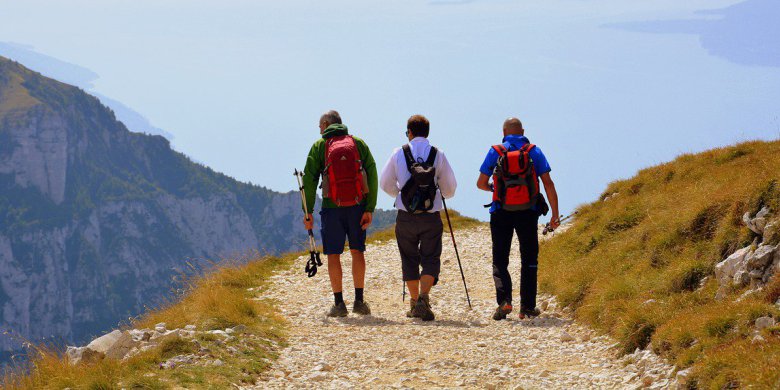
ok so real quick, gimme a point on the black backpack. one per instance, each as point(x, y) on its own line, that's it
point(419, 192)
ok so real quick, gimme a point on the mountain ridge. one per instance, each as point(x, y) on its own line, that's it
point(96, 221)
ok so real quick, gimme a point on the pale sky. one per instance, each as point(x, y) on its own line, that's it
point(604, 87)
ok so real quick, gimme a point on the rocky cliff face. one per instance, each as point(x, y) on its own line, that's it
point(96, 221)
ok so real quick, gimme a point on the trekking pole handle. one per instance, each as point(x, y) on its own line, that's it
point(549, 229)
point(298, 176)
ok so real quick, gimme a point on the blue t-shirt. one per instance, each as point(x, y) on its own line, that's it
point(514, 142)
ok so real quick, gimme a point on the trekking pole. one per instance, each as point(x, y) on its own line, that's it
point(314, 260)
point(455, 245)
point(549, 229)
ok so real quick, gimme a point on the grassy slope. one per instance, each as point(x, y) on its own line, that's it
point(13, 95)
point(215, 301)
point(658, 239)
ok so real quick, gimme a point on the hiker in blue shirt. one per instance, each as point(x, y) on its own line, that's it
point(516, 166)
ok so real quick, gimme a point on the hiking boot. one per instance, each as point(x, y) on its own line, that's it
point(360, 307)
point(339, 310)
point(412, 304)
point(529, 313)
point(502, 310)
point(422, 309)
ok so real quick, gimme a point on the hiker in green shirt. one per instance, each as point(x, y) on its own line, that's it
point(349, 190)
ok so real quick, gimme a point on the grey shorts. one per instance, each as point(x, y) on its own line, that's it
point(419, 241)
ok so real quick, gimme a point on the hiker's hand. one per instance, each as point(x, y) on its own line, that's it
point(366, 220)
point(308, 222)
point(555, 222)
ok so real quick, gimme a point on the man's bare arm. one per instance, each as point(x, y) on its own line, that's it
point(552, 197)
point(483, 182)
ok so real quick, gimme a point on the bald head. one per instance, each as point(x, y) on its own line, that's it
point(513, 126)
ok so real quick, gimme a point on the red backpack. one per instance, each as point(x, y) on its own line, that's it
point(515, 183)
point(344, 180)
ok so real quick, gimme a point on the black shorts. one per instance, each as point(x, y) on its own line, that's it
point(340, 224)
point(419, 241)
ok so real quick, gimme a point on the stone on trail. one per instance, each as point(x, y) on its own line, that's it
point(317, 377)
point(566, 337)
point(322, 367)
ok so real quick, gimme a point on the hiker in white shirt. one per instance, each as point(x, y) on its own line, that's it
point(418, 226)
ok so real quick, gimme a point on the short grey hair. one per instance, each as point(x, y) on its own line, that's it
point(330, 118)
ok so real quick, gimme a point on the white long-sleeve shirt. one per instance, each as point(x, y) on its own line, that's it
point(395, 173)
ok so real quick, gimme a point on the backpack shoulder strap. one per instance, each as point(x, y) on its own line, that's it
point(500, 149)
point(326, 154)
point(357, 149)
point(408, 157)
point(431, 156)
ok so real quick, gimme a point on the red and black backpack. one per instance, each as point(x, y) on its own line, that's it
point(344, 180)
point(515, 183)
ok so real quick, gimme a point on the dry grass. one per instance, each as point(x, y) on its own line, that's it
point(214, 301)
point(639, 266)
point(13, 95)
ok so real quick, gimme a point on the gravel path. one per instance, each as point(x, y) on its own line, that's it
point(462, 348)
